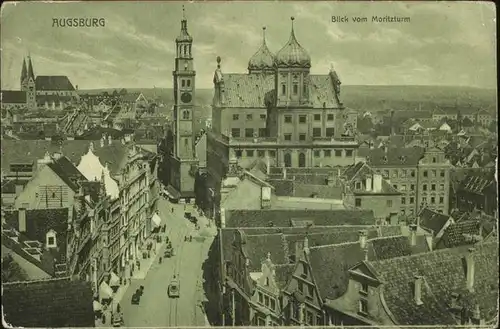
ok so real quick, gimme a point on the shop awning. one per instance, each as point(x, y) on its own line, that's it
point(105, 291)
point(114, 280)
point(97, 306)
point(174, 194)
point(156, 220)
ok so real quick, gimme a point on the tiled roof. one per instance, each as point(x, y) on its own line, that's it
point(96, 133)
point(55, 82)
point(9, 186)
point(396, 156)
point(444, 273)
point(48, 304)
point(283, 217)
point(253, 90)
point(283, 273)
point(41, 99)
point(41, 221)
point(330, 264)
point(352, 170)
point(31, 271)
point(257, 247)
point(22, 151)
point(13, 97)
point(459, 234)
point(477, 182)
point(318, 191)
point(67, 172)
point(433, 220)
point(130, 97)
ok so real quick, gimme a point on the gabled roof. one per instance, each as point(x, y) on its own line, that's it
point(53, 83)
point(67, 171)
point(13, 97)
point(253, 90)
point(433, 220)
point(50, 303)
point(283, 217)
point(444, 273)
point(330, 264)
point(460, 234)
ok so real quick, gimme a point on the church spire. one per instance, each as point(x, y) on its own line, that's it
point(30, 69)
point(24, 71)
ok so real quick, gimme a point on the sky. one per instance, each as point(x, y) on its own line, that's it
point(445, 43)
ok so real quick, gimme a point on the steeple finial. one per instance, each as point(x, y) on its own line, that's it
point(264, 34)
point(183, 12)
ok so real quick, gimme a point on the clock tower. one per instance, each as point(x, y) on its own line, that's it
point(184, 158)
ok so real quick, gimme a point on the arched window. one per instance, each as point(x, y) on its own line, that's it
point(288, 160)
point(302, 160)
point(185, 115)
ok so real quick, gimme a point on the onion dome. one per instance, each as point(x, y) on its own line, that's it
point(263, 59)
point(184, 35)
point(292, 54)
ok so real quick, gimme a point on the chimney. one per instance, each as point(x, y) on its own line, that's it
point(368, 184)
point(429, 240)
point(413, 235)
point(109, 140)
point(57, 155)
point(222, 218)
point(102, 141)
point(470, 269)
point(362, 239)
point(377, 183)
point(268, 166)
point(418, 289)
point(22, 219)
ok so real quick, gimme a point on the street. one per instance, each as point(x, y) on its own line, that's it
point(156, 309)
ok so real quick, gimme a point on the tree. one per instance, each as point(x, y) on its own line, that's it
point(365, 124)
point(123, 91)
point(466, 122)
point(115, 93)
point(11, 271)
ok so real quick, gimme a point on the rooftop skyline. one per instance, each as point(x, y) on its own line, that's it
point(443, 44)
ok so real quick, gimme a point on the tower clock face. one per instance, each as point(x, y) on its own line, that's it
point(186, 97)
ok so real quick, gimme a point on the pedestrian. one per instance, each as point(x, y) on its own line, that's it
point(172, 210)
point(159, 260)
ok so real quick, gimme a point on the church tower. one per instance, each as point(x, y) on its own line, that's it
point(28, 83)
point(182, 177)
point(24, 77)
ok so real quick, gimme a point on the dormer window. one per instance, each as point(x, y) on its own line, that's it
point(384, 159)
point(50, 239)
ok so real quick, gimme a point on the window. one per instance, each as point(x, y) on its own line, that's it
point(363, 306)
point(403, 200)
point(272, 154)
point(330, 132)
point(261, 298)
point(283, 89)
point(263, 116)
point(433, 173)
point(249, 153)
point(348, 153)
point(235, 132)
point(288, 137)
point(183, 83)
point(188, 83)
point(249, 116)
point(434, 160)
point(310, 290)
point(261, 153)
point(186, 142)
point(441, 199)
point(389, 203)
point(412, 173)
point(357, 202)
point(433, 187)
point(424, 187)
point(317, 154)
point(266, 300)
point(424, 200)
point(302, 137)
point(403, 173)
point(338, 153)
point(302, 118)
point(185, 115)
point(412, 200)
point(53, 194)
point(273, 304)
point(394, 174)
point(433, 199)
point(236, 117)
point(386, 174)
point(402, 187)
point(50, 240)
point(317, 117)
point(425, 173)
point(295, 88)
point(238, 153)
point(441, 186)
point(364, 288)
point(262, 132)
point(288, 119)
point(358, 185)
point(329, 117)
point(327, 153)
point(395, 186)
point(412, 187)
point(441, 173)
point(316, 132)
point(248, 132)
